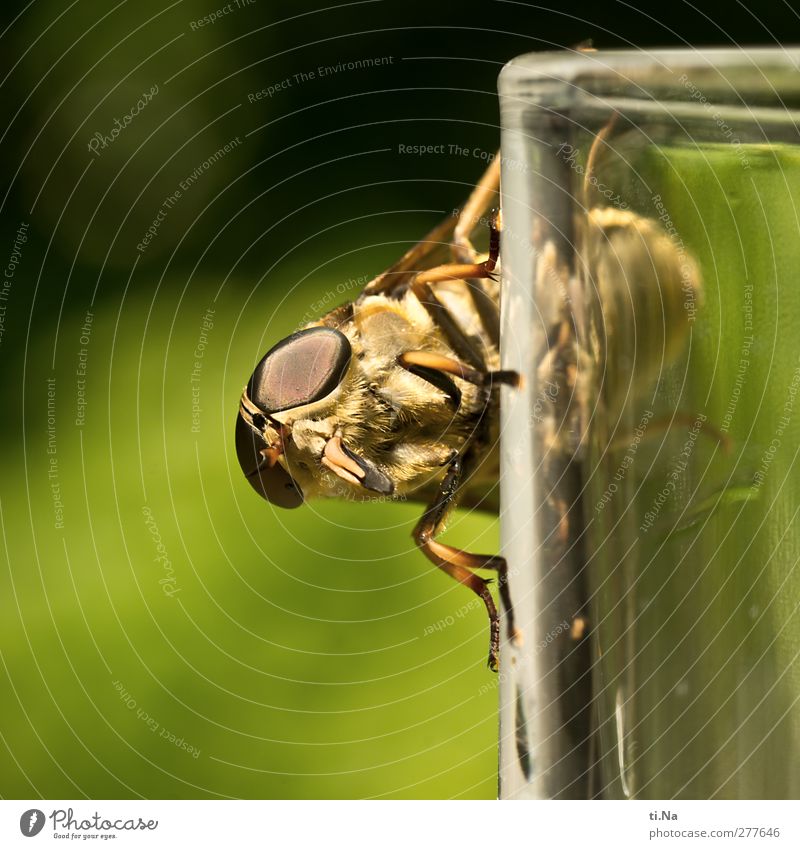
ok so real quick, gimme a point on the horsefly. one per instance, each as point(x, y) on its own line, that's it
point(396, 394)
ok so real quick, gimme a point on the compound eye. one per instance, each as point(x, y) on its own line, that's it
point(275, 484)
point(301, 369)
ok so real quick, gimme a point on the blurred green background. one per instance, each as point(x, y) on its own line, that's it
point(255, 653)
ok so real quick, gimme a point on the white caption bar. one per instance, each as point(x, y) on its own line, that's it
point(396, 824)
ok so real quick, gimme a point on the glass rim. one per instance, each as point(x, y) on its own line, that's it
point(755, 77)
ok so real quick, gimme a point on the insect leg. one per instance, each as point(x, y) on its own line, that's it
point(458, 340)
point(485, 304)
point(591, 160)
point(428, 360)
point(484, 196)
point(454, 271)
point(459, 564)
point(422, 288)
